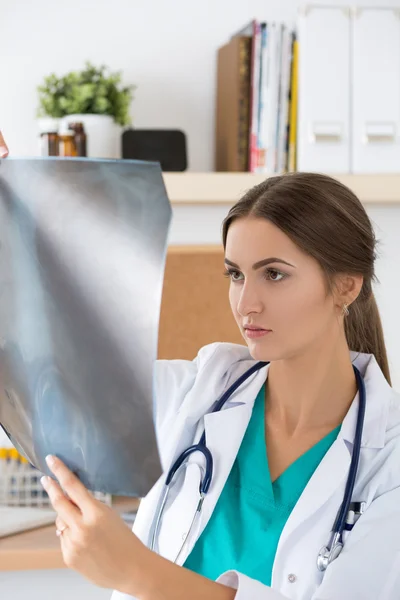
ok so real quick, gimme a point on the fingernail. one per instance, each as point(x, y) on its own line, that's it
point(50, 460)
point(45, 481)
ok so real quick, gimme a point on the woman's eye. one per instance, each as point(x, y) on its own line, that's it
point(274, 275)
point(234, 275)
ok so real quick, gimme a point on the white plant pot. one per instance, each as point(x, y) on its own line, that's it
point(46, 124)
point(103, 135)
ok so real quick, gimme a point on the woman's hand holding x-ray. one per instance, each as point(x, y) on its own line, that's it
point(94, 539)
point(97, 543)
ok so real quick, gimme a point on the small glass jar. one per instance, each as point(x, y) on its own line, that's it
point(80, 137)
point(49, 143)
point(66, 144)
point(48, 136)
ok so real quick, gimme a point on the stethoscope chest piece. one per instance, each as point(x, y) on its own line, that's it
point(326, 555)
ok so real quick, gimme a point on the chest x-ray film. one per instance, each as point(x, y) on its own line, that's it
point(82, 255)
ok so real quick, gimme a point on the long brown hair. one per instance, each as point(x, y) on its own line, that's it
point(326, 220)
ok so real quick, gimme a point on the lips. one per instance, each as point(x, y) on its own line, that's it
point(253, 333)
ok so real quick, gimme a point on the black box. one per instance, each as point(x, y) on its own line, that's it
point(166, 146)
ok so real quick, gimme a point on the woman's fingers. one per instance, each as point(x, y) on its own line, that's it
point(3, 147)
point(61, 526)
point(71, 484)
point(65, 509)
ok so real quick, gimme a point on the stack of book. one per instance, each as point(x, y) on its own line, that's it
point(256, 112)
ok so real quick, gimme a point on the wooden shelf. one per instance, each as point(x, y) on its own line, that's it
point(227, 188)
point(40, 548)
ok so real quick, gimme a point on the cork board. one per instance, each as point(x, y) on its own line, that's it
point(195, 307)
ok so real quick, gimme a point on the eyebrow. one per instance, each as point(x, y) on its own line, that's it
point(261, 263)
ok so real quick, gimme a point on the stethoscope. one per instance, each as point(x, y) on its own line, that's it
point(328, 553)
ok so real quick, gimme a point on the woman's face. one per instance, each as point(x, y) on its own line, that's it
point(277, 287)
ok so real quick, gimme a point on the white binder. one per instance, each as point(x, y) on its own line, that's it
point(275, 33)
point(376, 90)
point(324, 89)
point(284, 99)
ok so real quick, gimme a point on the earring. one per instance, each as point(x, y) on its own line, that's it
point(345, 310)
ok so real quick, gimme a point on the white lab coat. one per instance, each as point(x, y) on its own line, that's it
point(369, 565)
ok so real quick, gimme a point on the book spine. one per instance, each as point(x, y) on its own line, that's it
point(244, 103)
point(292, 166)
point(255, 74)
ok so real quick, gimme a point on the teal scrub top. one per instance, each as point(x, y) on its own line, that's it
point(245, 527)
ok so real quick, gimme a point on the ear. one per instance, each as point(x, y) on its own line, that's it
point(348, 287)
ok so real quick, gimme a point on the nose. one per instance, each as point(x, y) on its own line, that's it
point(249, 300)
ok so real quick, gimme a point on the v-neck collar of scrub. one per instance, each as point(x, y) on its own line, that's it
point(290, 484)
point(286, 489)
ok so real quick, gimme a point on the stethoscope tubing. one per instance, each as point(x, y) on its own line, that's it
point(340, 522)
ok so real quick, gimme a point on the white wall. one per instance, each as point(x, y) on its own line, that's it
point(166, 47)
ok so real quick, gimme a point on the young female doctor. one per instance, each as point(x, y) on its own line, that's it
point(294, 489)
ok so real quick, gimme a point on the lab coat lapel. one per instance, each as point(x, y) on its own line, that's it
point(333, 470)
point(224, 433)
point(330, 475)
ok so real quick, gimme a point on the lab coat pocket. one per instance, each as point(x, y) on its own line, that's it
point(391, 586)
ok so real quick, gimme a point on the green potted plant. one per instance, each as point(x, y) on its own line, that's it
point(95, 97)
